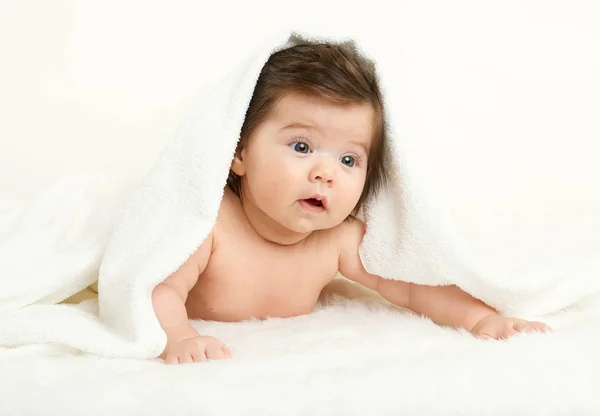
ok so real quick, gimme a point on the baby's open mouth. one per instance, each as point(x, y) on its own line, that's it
point(314, 202)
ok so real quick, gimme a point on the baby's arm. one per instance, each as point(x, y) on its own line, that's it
point(444, 305)
point(184, 344)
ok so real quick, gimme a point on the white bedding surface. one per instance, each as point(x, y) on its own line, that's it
point(355, 354)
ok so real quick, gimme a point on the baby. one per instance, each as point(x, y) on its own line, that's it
point(311, 152)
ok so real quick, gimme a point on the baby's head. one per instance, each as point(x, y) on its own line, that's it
point(314, 129)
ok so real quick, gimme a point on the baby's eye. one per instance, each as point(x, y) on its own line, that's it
point(348, 161)
point(300, 147)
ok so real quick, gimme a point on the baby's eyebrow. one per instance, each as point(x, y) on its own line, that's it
point(361, 143)
point(298, 125)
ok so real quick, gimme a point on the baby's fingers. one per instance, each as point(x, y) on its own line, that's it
point(522, 326)
point(508, 332)
point(217, 352)
point(494, 334)
point(525, 326)
point(227, 352)
point(172, 359)
point(540, 327)
point(185, 358)
point(198, 355)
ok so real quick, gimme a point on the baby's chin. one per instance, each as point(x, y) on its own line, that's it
point(300, 223)
point(303, 226)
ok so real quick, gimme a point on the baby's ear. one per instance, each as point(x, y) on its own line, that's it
point(237, 165)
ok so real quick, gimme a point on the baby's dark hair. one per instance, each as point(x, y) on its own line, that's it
point(335, 72)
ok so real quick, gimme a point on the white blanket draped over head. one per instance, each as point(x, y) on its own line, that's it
point(507, 211)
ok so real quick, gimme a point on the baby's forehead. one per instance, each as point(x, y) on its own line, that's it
point(353, 121)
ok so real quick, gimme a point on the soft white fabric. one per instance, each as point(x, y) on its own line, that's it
point(352, 357)
point(496, 243)
point(163, 222)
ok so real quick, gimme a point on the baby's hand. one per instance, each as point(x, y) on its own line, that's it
point(197, 349)
point(500, 327)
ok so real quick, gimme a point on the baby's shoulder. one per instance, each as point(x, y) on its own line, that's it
point(349, 233)
point(351, 227)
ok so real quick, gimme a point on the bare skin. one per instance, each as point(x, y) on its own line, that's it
point(272, 252)
point(269, 280)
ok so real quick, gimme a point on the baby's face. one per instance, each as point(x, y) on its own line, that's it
point(305, 165)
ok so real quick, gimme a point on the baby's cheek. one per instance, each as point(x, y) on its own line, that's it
point(276, 176)
point(285, 180)
point(353, 188)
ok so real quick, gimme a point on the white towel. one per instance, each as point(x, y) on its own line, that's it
point(430, 226)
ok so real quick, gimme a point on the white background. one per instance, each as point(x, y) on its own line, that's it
point(86, 84)
point(104, 83)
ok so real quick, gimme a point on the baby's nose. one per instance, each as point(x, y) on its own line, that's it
point(325, 177)
point(322, 173)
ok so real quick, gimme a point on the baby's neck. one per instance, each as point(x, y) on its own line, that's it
point(268, 229)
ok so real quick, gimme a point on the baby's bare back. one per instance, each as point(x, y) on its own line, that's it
point(248, 277)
